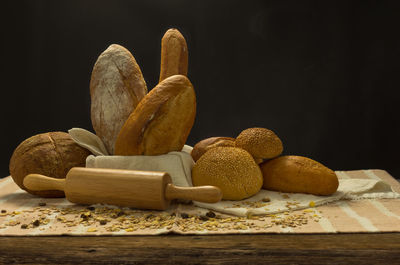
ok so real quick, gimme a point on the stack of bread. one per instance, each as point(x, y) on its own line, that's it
point(127, 119)
point(241, 167)
point(131, 122)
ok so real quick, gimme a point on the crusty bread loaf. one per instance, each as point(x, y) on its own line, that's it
point(116, 87)
point(261, 143)
point(204, 145)
point(161, 122)
point(231, 169)
point(52, 154)
point(298, 174)
point(174, 54)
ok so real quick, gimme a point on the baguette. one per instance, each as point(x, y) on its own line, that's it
point(298, 174)
point(162, 120)
point(174, 54)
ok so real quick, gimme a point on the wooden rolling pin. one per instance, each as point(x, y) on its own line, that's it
point(131, 188)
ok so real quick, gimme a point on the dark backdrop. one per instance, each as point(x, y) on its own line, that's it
point(322, 74)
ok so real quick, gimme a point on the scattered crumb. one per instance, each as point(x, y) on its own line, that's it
point(266, 199)
point(112, 219)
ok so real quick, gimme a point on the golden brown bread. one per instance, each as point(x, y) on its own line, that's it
point(298, 174)
point(116, 87)
point(52, 154)
point(174, 54)
point(261, 143)
point(161, 122)
point(231, 169)
point(204, 145)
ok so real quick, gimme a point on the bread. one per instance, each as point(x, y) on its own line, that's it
point(161, 122)
point(261, 143)
point(231, 169)
point(298, 174)
point(52, 154)
point(204, 145)
point(174, 54)
point(116, 87)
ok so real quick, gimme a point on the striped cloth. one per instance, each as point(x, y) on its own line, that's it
point(19, 208)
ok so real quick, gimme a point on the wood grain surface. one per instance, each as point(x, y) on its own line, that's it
point(376, 248)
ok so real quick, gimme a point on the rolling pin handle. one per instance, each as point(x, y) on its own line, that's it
point(40, 182)
point(209, 194)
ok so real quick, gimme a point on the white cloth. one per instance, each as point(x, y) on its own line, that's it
point(351, 189)
point(179, 166)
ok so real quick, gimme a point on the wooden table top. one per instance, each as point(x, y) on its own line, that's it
point(372, 248)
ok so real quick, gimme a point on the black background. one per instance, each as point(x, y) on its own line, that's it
point(322, 74)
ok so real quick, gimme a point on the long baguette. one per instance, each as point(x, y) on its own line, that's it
point(161, 122)
point(174, 54)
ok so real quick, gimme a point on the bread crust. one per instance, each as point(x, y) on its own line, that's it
point(261, 143)
point(298, 174)
point(116, 87)
point(52, 154)
point(161, 122)
point(204, 145)
point(174, 54)
point(231, 169)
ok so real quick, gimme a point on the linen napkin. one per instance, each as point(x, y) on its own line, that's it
point(177, 164)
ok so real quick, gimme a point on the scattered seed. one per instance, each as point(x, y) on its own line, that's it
point(204, 218)
point(150, 216)
point(184, 215)
point(266, 199)
point(103, 222)
point(36, 223)
point(3, 211)
point(86, 215)
point(42, 204)
point(113, 215)
point(24, 226)
point(91, 208)
point(210, 214)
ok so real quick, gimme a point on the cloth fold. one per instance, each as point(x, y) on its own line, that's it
point(180, 164)
point(349, 189)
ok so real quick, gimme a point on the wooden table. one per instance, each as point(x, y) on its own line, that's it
point(376, 248)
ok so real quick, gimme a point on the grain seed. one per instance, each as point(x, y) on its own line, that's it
point(184, 215)
point(210, 214)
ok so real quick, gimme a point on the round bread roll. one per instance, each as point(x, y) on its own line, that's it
point(204, 145)
point(261, 143)
point(298, 174)
point(51, 154)
point(231, 169)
